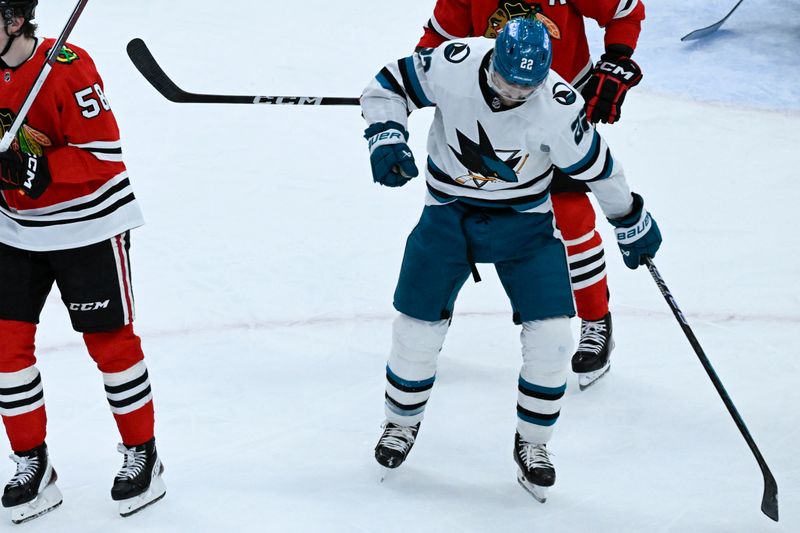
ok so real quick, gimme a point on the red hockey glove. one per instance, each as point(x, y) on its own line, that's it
point(25, 172)
point(612, 76)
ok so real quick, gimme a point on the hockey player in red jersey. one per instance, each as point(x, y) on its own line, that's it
point(604, 87)
point(66, 211)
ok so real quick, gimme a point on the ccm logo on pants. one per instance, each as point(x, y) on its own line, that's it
point(89, 306)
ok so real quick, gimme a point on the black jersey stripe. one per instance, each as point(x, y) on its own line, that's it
point(408, 84)
point(393, 83)
point(97, 201)
point(100, 214)
point(606, 168)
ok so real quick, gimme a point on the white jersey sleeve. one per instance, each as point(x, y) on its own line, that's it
point(400, 87)
point(580, 152)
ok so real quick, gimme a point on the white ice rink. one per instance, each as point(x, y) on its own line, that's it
point(265, 273)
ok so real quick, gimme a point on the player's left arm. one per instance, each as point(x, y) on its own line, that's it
point(581, 152)
point(92, 150)
point(616, 72)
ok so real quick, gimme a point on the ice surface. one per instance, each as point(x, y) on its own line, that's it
point(264, 280)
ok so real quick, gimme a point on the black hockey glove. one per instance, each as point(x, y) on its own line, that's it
point(612, 76)
point(25, 172)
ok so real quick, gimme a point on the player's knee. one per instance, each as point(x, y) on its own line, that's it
point(114, 351)
point(417, 340)
point(547, 344)
point(16, 345)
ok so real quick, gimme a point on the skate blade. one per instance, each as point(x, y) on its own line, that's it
point(133, 505)
point(587, 379)
point(538, 492)
point(46, 501)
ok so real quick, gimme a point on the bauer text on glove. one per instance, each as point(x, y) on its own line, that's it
point(637, 234)
point(390, 157)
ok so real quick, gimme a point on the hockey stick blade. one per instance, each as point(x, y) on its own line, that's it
point(147, 65)
point(769, 500)
point(708, 30)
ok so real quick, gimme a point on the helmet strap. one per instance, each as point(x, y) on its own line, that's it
point(10, 41)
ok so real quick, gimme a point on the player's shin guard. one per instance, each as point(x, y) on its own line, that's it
point(576, 221)
point(119, 357)
point(21, 393)
point(411, 369)
point(546, 349)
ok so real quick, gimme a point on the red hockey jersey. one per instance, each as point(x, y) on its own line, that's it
point(622, 19)
point(90, 198)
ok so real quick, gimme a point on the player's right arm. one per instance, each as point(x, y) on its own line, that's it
point(399, 88)
point(451, 19)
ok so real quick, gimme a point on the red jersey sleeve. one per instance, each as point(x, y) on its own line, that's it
point(90, 151)
point(452, 19)
point(622, 19)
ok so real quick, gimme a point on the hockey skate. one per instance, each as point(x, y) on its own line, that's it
point(592, 359)
point(536, 473)
point(394, 445)
point(138, 483)
point(32, 491)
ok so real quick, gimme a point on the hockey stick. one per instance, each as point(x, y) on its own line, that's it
point(769, 501)
point(708, 30)
point(33, 92)
point(144, 61)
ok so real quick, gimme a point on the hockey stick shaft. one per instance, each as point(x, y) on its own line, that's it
point(708, 30)
point(33, 92)
point(145, 63)
point(769, 501)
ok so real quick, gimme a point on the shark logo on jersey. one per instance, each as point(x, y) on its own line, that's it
point(456, 52)
point(484, 162)
point(29, 140)
point(509, 9)
point(563, 94)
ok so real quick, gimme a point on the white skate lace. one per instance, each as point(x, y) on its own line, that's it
point(398, 438)
point(135, 461)
point(534, 455)
point(593, 336)
point(26, 469)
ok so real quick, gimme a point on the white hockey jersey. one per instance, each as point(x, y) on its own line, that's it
point(484, 152)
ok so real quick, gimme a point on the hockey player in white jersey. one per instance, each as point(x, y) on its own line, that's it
point(503, 119)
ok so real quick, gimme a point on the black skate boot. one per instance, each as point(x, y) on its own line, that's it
point(138, 483)
point(591, 360)
point(536, 473)
point(32, 491)
point(395, 443)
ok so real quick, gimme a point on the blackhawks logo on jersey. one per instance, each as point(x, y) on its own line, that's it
point(508, 9)
point(66, 56)
point(29, 140)
point(484, 163)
